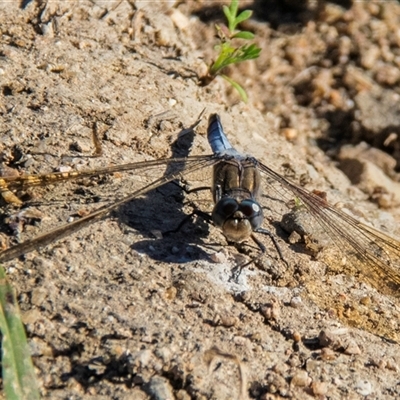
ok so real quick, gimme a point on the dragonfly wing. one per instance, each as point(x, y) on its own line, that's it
point(25, 181)
point(373, 254)
point(176, 169)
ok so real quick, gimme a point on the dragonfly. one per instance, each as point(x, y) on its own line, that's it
point(239, 184)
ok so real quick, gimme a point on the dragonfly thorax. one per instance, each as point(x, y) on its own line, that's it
point(237, 219)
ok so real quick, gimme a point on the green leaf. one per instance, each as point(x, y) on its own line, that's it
point(234, 7)
point(246, 14)
point(243, 35)
point(226, 11)
point(230, 14)
point(250, 52)
point(18, 374)
point(241, 91)
point(230, 18)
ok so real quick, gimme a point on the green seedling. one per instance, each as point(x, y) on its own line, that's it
point(228, 53)
point(19, 380)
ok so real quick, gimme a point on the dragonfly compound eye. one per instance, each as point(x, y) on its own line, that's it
point(253, 211)
point(223, 210)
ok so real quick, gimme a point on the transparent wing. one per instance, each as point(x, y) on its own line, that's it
point(368, 252)
point(148, 176)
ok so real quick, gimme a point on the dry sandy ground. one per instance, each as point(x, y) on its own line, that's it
point(120, 311)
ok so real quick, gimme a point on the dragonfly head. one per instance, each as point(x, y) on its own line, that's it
point(237, 220)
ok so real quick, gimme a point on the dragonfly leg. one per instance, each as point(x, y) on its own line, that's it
point(236, 271)
point(273, 239)
point(186, 189)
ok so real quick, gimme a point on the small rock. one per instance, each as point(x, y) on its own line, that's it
point(280, 368)
point(301, 379)
point(240, 341)
point(146, 339)
point(352, 349)
point(38, 296)
point(226, 320)
point(365, 301)
point(364, 388)
point(160, 389)
point(319, 388)
point(64, 168)
point(31, 316)
point(327, 354)
point(296, 336)
point(182, 395)
point(179, 20)
point(140, 359)
point(276, 383)
point(170, 293)
point(392, 366)
point(331, 339)
point(296, 302)
point(218, 257)
point(294, 238)
point(271, 311)
point(39, 348)
point(290, 134)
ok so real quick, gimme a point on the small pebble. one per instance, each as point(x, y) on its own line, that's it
point(182, 395)
point(38, 296)
point(146, 339)
point(218, 257)
point(327, 354)
point(170, 293)
point(352, 349)
point(64, 168)
point(160, 389)
point(226, 320)
point(391, 365)
point(255, 337)
point(271, 311)
point(31, 316)
point(296, 302)
point(240, 340)
point(301, 379)
point(280, 368)
point(180, 20)
point(364, 388)
point(365, 301)
point(319, 388)
point(297, 337)
point(330, 338)
point(172, 102)
point(290, 134)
